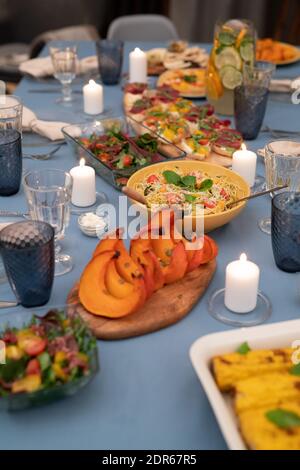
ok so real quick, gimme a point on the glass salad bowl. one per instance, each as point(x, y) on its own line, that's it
point(45, 354)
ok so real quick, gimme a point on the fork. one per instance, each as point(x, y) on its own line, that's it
point(42, 156)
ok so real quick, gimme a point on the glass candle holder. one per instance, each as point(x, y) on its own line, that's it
point(110, 60)
point(286, 231)
point(250, 99)
point(10, 144)
point(27, 249)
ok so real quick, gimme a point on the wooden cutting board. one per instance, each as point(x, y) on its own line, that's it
point(164, 308)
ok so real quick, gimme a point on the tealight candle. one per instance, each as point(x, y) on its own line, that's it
point(93, 98)
point(84, 185)
point(137, 66)
point(244, 163)
point(241, 285)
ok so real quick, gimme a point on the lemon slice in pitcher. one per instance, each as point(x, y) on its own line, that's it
point(228, 56)
point(231, 78)
point(247, 51)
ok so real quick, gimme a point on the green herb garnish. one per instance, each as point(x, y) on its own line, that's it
point(295, 370)
point(147, 142)
point(206, 185)
point(244, 348)
point(189, 198)
point(171, 177)
point(189, 181)
point(283, 418)
point(190, 78)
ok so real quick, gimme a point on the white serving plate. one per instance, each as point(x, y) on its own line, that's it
point(276, 335)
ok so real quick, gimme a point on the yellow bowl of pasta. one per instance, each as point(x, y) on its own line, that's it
point(203, 189)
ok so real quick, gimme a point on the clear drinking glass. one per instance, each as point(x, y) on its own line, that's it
point(10, 144)
point(48, 194)
point(282, 166)
point(64, 60)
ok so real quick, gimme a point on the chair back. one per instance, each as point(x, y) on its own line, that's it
point(142, 28)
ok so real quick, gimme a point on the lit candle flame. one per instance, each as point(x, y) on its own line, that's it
point(92, 82)
point(82, 162)
point(243, 147)
point(243, 257)
point(138, 50)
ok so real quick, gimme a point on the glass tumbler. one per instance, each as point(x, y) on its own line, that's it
point(250, 98)
point(282, 166)
point(10, 144)
point(286, 231)
point(64, 61)
point(27, 249)
point(110, 60)
point(48, 194)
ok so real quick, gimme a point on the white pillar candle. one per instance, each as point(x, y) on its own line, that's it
point(137, 66)
point(244, 163)
point(84, 185)
point(241, 285)
point(93, 98)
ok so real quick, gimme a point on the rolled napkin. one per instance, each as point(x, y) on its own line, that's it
point(42, 66)
point(284, 85)
point(49, 129)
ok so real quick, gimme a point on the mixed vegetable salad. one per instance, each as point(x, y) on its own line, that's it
point(49, 351)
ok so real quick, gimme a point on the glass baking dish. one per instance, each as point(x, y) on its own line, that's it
point(78, 137)
point(18, 319)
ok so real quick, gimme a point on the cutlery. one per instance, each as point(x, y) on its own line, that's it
point(280, 132)
point(50, 90)
point(42, 156)
point(6, 304)
point(25, 215)
point(252, 196)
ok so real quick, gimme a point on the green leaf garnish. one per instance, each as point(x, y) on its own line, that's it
point(283, 418)
point(244, 348)
point(295, 370)
point(189, 181)
point(171, 177)
point(44, 360)
point(206, 185)
point(189, 198)
point(190, 78)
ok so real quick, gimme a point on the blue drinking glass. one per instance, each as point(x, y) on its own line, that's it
point(110, 60)
point(27, 249)
point(250, 99)
point(286, 231)
point(10, 145)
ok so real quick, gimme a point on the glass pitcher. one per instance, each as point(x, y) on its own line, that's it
point(234, 46)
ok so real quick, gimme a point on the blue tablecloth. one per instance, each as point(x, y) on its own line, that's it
point(147, 395)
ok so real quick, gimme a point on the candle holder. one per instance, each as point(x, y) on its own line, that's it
point(218, 310)
point(101, 198)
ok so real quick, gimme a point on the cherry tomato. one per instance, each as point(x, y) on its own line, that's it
point(224, 194)
point(34, 345)
point(152, 179)
point(33, 367)
point(209, 204)
point(127, 160)
point(226, 122)
point(104, 157)
point(203, 141)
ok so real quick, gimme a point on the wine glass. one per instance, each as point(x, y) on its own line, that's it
point(64, 61)
point(282, 163)
point(48, 194)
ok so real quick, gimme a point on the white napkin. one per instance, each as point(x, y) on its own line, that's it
point(42, 66)
point(49, 129)
point(284, 85)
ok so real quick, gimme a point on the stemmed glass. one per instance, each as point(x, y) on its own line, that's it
point(282, 164)
point(64, 60)
point(48, 194)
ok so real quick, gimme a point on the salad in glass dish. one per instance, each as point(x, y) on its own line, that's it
point(45, 357)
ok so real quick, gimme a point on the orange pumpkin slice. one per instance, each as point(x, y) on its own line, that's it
point(94, 294)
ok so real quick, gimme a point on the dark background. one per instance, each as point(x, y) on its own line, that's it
point(23, 20)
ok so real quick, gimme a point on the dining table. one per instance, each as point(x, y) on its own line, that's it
point(146, 395)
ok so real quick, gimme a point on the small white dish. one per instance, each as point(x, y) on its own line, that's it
point(92, 229)
point(271, 336)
